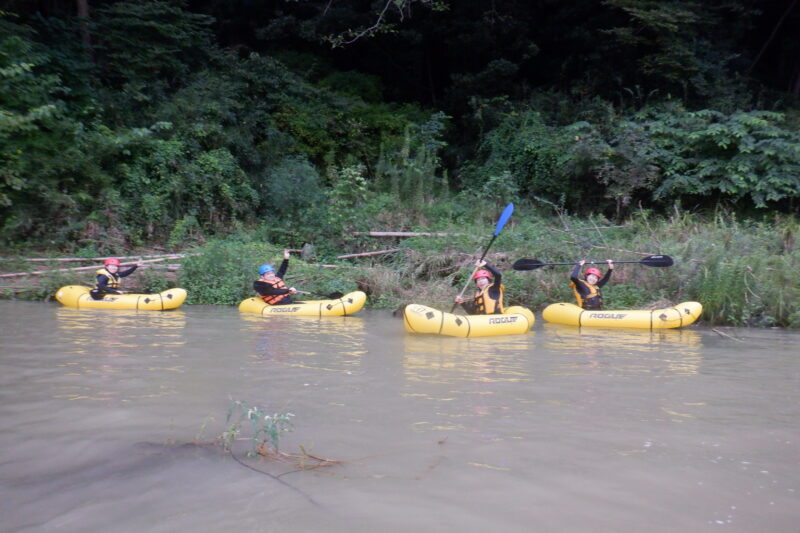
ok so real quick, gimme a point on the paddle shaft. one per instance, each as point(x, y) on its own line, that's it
point(588, 263)
point(651, 261)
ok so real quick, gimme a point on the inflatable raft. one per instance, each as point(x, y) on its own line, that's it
point(677, 316)
point(346, 305)
point(422, 319)
point(78, 296)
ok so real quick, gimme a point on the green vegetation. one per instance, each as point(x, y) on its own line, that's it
point(234, 130)
point(264, 428)
point(741, 270)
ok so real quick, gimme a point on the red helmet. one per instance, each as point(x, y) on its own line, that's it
point(482, 274)
point(595, 271)
point(111, 261)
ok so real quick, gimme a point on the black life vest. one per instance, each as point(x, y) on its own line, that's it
point(593, 300)
point(113, 279)
point(484, 304)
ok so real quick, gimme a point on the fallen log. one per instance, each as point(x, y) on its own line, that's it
point(85, 259)
point(365, 254)
point(584, 229)
point(75, 269)
point(406, 234)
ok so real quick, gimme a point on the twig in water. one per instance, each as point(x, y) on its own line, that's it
point(276, 478)
point(723, 334)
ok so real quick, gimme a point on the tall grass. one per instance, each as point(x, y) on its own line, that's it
point(744, 272)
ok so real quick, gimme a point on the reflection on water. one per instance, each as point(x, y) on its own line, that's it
point(463, 380)
point(623, 431)
point(667, 352)
point(303, 341)
point(483, 359)
point(466, 378)
point(108, 346)
point(118, 329)
point(672, 352)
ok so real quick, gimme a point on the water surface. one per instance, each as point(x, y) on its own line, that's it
point(109, 420)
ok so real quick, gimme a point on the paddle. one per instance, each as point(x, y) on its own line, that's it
point(500, 223)
point(651, 261)
point(332, 296)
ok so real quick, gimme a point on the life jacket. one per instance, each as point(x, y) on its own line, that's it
point(593, 300)
point(113, 279)
point(485, 304)
point(273, 299)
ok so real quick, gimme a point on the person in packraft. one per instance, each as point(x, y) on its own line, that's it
point(270, 286)
point(488, 298)
point(587, 291)
point(108, 280)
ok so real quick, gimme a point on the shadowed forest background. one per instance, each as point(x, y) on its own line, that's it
point(168, 124)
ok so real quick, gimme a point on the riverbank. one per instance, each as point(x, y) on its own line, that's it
point(742, 271)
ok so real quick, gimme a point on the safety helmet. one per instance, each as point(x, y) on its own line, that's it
point(594, 271)
point(482, 274)
point(263, 269)
point(111, 261)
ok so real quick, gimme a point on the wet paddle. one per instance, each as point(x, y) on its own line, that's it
point(651, 261)
point(500, 223)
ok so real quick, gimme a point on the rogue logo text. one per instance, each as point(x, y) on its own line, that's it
point(614, 316)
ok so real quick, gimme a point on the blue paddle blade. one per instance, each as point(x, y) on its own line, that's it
point(503, 219)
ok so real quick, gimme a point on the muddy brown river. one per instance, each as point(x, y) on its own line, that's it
point(110, 422)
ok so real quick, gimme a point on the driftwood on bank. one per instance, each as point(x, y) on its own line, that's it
point(406, 234)
point(74, 269)
point(365, 254)
point(88, 259)
point(158, 258)
point(584, 229)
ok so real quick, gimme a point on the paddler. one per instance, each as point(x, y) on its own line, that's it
point(488, 299)
point(587, 291)
point(109, 277)
point(270, 286)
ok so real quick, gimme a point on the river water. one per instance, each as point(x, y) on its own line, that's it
point(109, 421)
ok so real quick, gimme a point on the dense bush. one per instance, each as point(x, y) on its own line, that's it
point(654, 157)
point(169, 136)
point(136, 128)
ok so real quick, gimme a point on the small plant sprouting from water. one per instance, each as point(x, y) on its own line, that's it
point(265, 428)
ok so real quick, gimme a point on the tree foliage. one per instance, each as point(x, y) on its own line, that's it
point(659, 155)
point(159, 120)
point(751, 155)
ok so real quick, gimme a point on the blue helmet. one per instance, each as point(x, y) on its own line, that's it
point(263, 269)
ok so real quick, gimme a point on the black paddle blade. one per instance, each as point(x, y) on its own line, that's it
point(527, 264)
point(335, 295)
point(657, 261)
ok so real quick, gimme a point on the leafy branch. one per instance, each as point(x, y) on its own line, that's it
point(401, 7)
